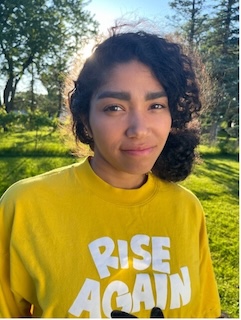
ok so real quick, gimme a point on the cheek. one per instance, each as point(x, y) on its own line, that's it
point(101, 131)
point(94, 122)
point(165, 124)
point(169, 122)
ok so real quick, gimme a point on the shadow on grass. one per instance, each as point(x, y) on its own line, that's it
point(13, 169)
point(220, 171)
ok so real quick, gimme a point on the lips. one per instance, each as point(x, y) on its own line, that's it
point(138, 151)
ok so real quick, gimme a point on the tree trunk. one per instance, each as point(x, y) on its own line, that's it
point(213, 132)
point(193, 21)
point(9, 93)
point(12, 82)
point(60, 98)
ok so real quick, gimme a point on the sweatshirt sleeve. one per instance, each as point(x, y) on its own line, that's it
point(11, 304)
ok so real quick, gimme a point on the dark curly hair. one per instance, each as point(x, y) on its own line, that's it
point(172, 68)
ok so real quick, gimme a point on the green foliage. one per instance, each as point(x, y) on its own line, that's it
point(6, 119)
point(36, 120)
point(33, 32)
point(30, 120)
point(227, 146)
point(192, 18)
point(220, 51)
point(224, 145)
point(216, 37)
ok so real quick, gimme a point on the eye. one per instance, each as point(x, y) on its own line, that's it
point(157, 106)
point(113, 108)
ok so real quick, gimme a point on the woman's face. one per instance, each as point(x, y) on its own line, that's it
point(129, 122)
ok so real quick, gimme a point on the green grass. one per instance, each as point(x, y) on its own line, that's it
point(214, 181)
point(31, 143)
point(15, 168)
point(27, 154)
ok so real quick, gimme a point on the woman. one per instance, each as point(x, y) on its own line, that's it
point(115, 232)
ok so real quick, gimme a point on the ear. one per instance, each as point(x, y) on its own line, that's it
point(87, 128)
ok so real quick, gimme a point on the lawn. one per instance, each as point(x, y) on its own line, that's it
point(214, 181)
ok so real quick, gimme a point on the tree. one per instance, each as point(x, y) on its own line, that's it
point(192, 17)
point(220, 51)
point(24, 102)
point(215, 37)
point(32, 31)
point(191, 31)
point(53, 75)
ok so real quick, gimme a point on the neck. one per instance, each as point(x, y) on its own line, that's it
point(122, 180)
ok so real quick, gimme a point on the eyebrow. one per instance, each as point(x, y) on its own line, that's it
point(155, 95)
point(122, 95)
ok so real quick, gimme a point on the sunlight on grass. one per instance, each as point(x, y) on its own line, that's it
point(215, 182)
point(30, 143)
point(15, 168)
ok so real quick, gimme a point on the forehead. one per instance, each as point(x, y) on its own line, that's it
point(129, 74)
point(131, 66)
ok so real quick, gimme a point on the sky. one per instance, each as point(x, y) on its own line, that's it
point(152, 13)
point(106, 11)
point(157, 11)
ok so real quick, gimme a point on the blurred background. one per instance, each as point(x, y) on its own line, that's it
point(42, 46)
point(40, 40)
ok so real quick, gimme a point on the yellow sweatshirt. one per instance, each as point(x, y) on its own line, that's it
point(71, 245)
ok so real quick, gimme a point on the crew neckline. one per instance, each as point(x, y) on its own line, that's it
point(126, 197)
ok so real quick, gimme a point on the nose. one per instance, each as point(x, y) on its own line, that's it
point(138, 126)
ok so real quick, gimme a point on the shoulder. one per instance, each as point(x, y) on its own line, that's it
point(54, 179)
point(176, 194)
point(180, 205)
point(174, 188)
